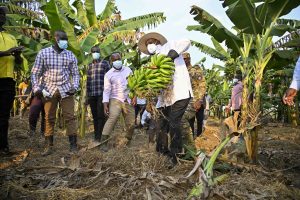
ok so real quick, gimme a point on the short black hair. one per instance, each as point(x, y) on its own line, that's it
point(96, 47)
point(116, 52)
point(3, 9)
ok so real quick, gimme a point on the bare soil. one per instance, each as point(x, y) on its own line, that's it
point(138, 172)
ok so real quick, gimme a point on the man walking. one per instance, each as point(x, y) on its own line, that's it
point(95, 84)
point(116, 100)
point(59, 71)
point(10, 56)
point(174, 100)
point(197, 105)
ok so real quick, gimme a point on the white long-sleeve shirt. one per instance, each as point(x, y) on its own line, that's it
point(296, 77)
point(181, 88)
point(115, 85)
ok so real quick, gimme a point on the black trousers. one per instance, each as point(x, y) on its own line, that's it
point(7, 95)
point(171, 122)
point(200, 117)
point(139, 109)
point(37, 107)
point(98, 115)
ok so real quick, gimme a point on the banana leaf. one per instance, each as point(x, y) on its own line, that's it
point(109, 9)
point(81, 13)
point(209, 51)
point(213, 27)
point(90, 11)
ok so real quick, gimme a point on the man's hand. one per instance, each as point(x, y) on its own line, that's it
point(106, 109)
point(288, 97)
point(38, 93)
point(173, 54)
point(71, 92)
point(133, 101)
point(198, 104)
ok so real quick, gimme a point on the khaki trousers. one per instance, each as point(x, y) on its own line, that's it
point(67, 106)
point(187, 133)
point(117, 107)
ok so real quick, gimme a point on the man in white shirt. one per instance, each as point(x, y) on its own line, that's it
point(116, 100)
point(290, 94)
point(174, 100)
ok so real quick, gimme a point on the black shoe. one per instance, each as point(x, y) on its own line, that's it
point(5, 151)
point(73, 143)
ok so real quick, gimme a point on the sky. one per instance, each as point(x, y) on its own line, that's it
point(178, 18)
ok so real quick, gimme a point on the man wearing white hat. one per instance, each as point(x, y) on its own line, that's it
point(174, 100)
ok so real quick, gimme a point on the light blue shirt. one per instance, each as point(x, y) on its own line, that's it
point(115, 85)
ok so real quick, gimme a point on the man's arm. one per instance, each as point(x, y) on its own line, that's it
point(181, 46)
point(296, 77)
point(75, 73)
point(106, 90)
point(36, 72)
point(106, 94)
point(288, 97)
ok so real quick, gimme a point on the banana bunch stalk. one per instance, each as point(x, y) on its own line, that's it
point(149, 80)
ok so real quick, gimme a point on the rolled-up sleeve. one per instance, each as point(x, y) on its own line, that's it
point(36, 71)
point(181, 46)
point(107, 89)
point(296, 77)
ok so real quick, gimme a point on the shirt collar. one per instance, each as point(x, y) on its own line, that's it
point(63, 51)
point(115, 70)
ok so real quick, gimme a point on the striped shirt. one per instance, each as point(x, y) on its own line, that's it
point(95, 78)
point(58, 71)
point(115, 85)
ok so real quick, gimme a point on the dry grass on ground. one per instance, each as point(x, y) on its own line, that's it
point(138, 172)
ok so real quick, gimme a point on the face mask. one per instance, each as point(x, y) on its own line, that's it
point(96, 55)
point(117, 64)
point(62, 44)
point(235, 80)
point(151, 48)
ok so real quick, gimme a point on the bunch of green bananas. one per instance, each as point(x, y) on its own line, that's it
point(149, 80)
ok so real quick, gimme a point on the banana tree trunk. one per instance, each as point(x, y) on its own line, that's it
point(82, 103)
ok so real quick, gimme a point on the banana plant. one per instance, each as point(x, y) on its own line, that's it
point(83, 27)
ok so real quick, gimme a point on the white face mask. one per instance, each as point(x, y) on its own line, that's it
point(117, 64)
point(235, 80)
point(152, 48)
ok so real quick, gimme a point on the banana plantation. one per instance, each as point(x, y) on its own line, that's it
point(250, 152)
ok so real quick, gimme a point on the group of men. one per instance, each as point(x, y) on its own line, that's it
point(55, 80)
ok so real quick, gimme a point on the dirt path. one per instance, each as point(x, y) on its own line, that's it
point(138, 172)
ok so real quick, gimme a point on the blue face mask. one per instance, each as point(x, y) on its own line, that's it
point(117, 64)
point(96, 55)
point(62, 44)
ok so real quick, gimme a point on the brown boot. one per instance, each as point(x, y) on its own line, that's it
point(104, 141)
point(49, 146)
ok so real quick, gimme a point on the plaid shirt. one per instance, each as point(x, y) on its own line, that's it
point(95, 78)
point(58, 71)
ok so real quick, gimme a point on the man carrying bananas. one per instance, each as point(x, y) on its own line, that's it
point(197, 105)
point(116, 100)
point(174, 100)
